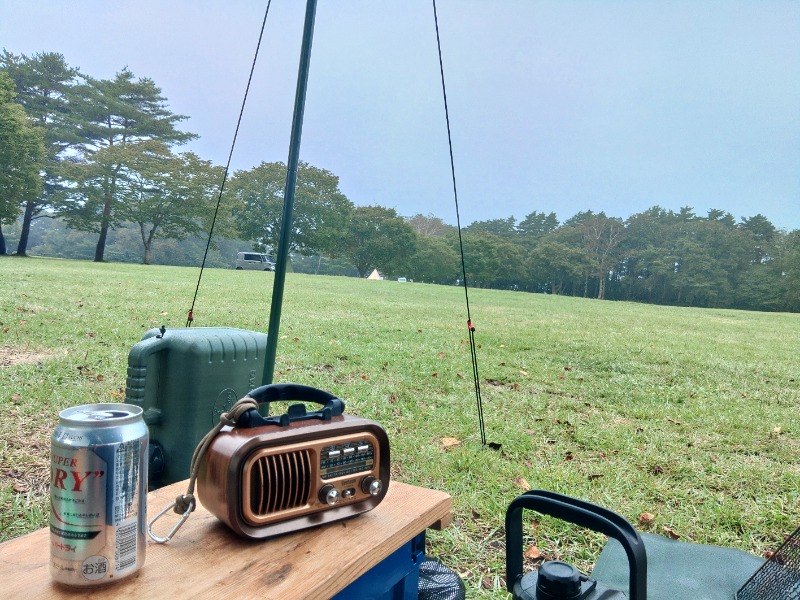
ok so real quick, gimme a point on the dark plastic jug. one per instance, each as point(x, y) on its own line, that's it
point(556, 580)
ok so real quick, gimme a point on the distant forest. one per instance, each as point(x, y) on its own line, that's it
point(89, 169)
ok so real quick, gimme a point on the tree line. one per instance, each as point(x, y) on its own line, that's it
point(100, 158)
point(657, 256)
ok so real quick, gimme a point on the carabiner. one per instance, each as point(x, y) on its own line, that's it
point(181, 521)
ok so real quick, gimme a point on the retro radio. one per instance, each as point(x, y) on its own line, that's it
point(273, 475)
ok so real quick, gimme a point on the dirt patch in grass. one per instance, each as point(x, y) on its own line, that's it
point(24, 447)
point(25, 455)
point(25, 463)
point(10, 356)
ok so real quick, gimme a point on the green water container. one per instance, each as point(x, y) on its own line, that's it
point(184, 379)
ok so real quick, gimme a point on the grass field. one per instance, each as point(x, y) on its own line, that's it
point(685, 421)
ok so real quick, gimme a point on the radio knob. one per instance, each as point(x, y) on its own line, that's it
point(371, 486)
point(329, 495)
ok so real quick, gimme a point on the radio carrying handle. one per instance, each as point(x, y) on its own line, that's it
point(332, 406)
point(583, 514)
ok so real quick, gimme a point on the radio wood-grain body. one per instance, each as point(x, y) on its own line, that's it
point(269, 480)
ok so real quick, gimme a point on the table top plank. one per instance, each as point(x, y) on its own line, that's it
point(206, 560)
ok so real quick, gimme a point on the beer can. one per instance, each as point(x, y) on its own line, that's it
point(98, 494)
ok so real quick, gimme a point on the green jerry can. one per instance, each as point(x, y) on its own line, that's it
point(184, 379)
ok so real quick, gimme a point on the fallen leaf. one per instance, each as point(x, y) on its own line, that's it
point(435, 375)
point(16, 397)
point(449, 442)
point(486, 583)
point(296, 339)
point(100, 378)
point(646, 518)
point(522, 483)
point(777, 430)
point(91, 334)
point(475, 514)
point(441, 355)
point(521, 372)
point(459, 375)
point(568, 456)
point(672, 533)
point(21, 488)
point(533, 553)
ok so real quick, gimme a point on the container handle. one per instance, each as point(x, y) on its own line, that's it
point(583, 514)
point(138, 359)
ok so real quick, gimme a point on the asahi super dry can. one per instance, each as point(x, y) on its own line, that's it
point(98, 494)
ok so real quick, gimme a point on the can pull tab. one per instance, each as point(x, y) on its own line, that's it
point(189, 508)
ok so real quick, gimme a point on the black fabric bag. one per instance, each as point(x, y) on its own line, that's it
point(437, 582)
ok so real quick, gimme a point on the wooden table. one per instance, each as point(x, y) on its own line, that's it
point(206, 560)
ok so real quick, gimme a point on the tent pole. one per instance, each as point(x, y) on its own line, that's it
point(289, 192)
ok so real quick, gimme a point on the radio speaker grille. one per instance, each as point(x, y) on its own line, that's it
point(280, 482)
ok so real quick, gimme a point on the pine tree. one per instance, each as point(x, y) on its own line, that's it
point(114, 113)
point(21, 154)
point(44, 82)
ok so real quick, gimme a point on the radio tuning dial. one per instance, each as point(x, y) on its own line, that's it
point(372, 486)
point(329, 495)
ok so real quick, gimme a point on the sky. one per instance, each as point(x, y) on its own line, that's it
point(555, 106)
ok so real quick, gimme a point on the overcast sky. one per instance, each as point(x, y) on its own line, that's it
point(608, 105)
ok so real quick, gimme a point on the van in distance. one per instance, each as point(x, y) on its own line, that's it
point(254, 261)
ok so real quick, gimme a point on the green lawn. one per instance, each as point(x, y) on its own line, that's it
point(687, 414)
